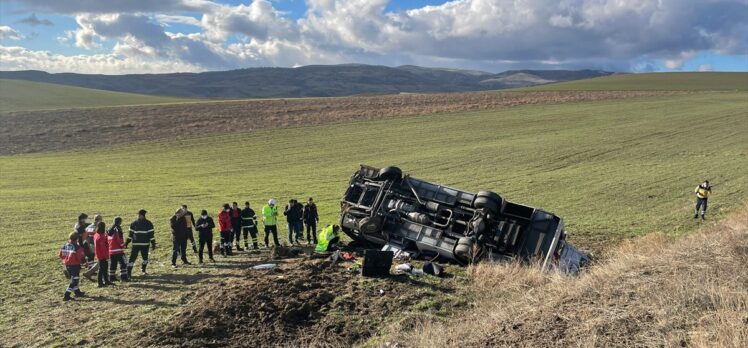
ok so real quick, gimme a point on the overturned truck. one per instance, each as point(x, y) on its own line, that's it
point(399, 212)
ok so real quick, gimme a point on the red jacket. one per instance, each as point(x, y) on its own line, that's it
point(116, 243)
point(224, 221)
point(101, 246)
point(72, 254)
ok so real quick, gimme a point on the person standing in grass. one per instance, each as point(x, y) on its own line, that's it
point(101, 247)
point(236, 225)
point(72, 256)
point(311, 218)
point(116, 240)
point(702, 195)
point(293, 213)
point(142, 237)
point(205, 227)
point(89, 248)
point(190, 222)
point(270, 220)
point(225, 228)
point(179, 237)
point(249, 226)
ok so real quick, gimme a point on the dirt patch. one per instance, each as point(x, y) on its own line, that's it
point(55, 130)
point(299, 303)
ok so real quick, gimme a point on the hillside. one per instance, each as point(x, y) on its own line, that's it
point(306, 81)
point(677, 81)
point(17, 95)
point(613, 169)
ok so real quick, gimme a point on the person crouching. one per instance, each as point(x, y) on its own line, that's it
point(72, 256)
point(101, 248)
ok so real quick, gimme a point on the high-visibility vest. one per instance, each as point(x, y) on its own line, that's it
point(270, 215)
point(702, 192)
point(323, 240)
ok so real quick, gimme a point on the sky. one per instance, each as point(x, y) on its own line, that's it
point(159, 36)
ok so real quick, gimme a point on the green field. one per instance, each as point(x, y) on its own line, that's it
point(612, 169)
point(17, 95)
point(678, 81)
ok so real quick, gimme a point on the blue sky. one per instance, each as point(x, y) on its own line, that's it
point(126, 36)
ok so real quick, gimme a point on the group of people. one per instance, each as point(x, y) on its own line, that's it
point(102, 250)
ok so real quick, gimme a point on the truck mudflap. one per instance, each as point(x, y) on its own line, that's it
point(570, 259)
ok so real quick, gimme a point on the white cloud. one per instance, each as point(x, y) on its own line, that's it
point(8, 33)
point(483, 34)
point(705, 67)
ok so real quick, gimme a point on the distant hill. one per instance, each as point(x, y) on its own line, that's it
point(16, 95)
point(307, 81)
point(673, 81)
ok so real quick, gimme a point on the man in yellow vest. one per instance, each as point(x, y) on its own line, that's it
point(270, 220)
point(702, 194)
point(328, 239)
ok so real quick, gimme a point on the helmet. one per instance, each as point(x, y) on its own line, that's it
point(271, 201)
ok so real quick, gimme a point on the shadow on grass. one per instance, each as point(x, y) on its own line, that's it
point(132, 302)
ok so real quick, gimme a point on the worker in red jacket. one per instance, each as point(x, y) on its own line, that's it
point(101, 248)
point(225, 227)
point(72, 256)
point(116, 239)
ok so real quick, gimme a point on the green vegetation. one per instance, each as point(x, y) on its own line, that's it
point(685, 81)
point(612, 169)
point(17, 95)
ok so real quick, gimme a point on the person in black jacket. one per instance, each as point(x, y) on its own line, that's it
point(236, 225)
point(179, 237)
point(311, 218)
point(141, 235)
point(205, 226)
point(293, 213)
point(249, 226)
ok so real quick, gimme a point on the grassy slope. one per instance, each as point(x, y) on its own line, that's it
point(17, 95)
point(729, 81)
point(611, 169)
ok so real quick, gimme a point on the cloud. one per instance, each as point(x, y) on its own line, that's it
point(479, 34)
point(705, 67)
point(8, 33)
point(35, 21)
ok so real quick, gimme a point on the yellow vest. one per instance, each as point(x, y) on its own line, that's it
point(324, 238)
point(702, 192)
point(270, 215)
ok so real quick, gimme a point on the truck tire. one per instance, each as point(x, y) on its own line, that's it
point(486, 203)
point(463, 249)
point(490, 195)
point(390, 173)
point(370, 225)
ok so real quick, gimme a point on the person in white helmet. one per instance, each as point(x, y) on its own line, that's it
point(270, 220)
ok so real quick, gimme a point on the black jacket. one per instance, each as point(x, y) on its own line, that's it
point(141, 233)
point(205, 226)
point(249, 218)
point(293, 213)
point(179, 228)
point(310, 214)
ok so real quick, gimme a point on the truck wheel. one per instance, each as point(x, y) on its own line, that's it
point(463, 249)
point(371, 225)
point(490, 195)
point(390, 173)
point(486, 203)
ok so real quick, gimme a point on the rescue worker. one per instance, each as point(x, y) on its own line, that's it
point(101, 247)
point(311, 218)
point(236, 225)
point(328, 239)
point(702, 195)
point(72, 256)
point(141, 235)
point(190, 220)
point(225, 228)
point(249, 226)
point(80, 230)
point(270, 220)
point(88, 248)
point(205, 227)
point(179, 233)
point(293, 213)
point(116, 241)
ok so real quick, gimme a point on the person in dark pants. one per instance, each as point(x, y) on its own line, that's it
point(141, 235)
point(179, 237)
point(293, 213)
point(190, 220)
point(702, 195)
point(205, 227)
point(236, 225)
point(249, 226)
point(311, 218)
point(116, 251)
point(225, 228)
point(270, 220)
point(88, 247)
point(101, 247)
point(72, 256)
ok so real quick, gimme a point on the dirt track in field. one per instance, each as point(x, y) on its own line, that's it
point(58, 130)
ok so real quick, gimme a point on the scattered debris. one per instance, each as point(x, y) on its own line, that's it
point(265, 266)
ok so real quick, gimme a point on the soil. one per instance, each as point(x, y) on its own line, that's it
point(56, 130)
point(302, 302)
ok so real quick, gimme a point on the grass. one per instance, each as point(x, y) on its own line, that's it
point(18, 95)
point(612, 169)
point(679, 81)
